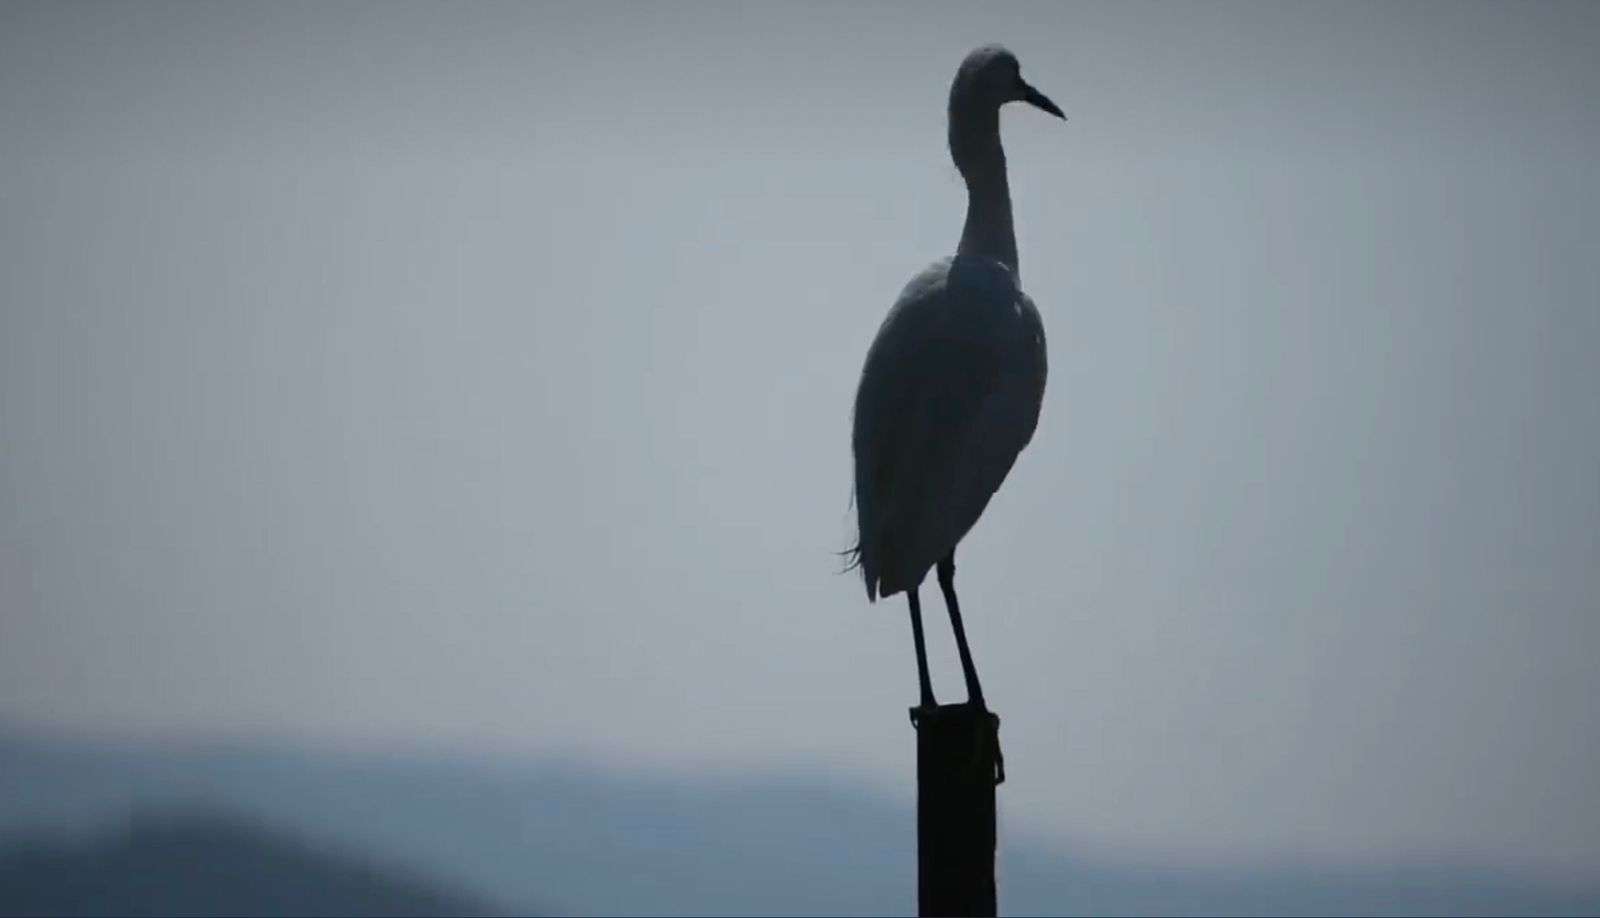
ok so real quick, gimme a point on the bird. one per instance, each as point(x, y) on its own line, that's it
point(953, 382)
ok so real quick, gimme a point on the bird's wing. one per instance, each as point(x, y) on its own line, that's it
point(948, 398)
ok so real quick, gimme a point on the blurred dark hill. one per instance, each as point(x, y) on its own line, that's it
point(200, 864)
point(572, 838)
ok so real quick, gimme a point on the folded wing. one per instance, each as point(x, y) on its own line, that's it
point(948, 398)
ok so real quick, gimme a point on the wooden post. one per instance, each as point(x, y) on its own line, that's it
point(958, 765)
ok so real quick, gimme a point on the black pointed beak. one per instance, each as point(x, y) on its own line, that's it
point(1039, 100)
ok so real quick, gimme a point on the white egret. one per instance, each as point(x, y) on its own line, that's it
point(953, 382)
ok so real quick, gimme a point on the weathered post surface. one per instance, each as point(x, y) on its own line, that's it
point(958, 765)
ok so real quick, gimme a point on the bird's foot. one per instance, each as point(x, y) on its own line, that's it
point(975, 696)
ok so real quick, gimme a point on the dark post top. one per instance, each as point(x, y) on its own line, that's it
point(958, 765)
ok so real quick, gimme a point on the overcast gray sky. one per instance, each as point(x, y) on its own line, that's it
point(480, 376)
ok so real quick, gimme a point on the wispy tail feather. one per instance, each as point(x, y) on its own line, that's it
point(854, 561)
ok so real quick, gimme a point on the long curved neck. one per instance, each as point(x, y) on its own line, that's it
point(975, 146)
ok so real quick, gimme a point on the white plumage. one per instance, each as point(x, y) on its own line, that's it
point(953, 382)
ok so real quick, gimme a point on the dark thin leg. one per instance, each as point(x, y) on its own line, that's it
point(922, 649)
point(947, 583)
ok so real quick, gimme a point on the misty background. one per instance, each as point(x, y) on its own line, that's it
point(390, 379)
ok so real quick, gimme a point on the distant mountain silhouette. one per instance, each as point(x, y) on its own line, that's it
point(568, 837)
point(201, 864)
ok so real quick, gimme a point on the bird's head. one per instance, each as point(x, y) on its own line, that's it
point(990, 77)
